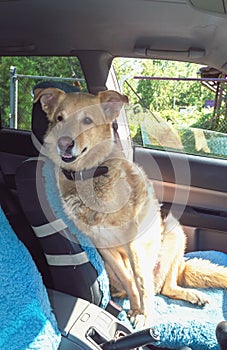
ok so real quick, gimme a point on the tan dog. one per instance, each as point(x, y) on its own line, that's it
point(111, 200)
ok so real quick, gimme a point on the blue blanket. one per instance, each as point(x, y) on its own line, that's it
point(183, 324)
point(179, 323)
point(26, 319)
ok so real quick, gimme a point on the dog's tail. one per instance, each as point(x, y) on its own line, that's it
point(201, 273)
point(196, 272)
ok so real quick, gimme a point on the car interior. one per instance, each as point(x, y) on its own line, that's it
point(192, 187)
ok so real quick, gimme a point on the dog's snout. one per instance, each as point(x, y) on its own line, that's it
point(65, 143)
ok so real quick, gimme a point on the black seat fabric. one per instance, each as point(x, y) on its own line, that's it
point(71, 271)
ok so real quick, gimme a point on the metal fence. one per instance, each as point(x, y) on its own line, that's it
point(21, 99)
point(21, 96)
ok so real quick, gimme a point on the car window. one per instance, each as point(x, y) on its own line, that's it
point(19, 75)
point(176, 106)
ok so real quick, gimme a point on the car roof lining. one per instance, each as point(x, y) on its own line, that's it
point(126, 28)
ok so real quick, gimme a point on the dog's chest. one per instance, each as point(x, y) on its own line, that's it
point(100, 195)
point(98, 201)
point(105, 222)
point(107, 207)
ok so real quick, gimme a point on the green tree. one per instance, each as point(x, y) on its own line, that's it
point(165, 94)
point(166, 99)
point(62, 67)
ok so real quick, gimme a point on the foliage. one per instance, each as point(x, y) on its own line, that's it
point(62, 67)
point(179, 103)
point(164, 95)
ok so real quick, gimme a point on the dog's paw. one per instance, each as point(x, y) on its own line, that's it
point(197, 297)
point(137, 319)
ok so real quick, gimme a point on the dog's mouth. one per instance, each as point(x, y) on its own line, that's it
point(68, 158)
point(67, 150)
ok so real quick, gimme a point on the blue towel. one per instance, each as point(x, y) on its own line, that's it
point(179, 323)
point(26, 319)
point(182, 324)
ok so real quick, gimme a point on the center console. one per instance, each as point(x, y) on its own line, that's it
point(86, 326)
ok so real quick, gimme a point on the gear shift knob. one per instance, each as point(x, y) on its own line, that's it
point(133, 340)
point(221, 334)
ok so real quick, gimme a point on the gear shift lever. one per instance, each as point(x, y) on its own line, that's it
point(221, 334)
point(131, 341)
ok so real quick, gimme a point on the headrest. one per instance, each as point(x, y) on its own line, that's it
point(39, 119)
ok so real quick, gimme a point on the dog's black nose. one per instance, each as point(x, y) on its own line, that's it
point(65, 143)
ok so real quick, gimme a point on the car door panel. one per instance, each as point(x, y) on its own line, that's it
point(194, 189)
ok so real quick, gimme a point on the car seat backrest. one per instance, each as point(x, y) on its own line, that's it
point(70, 269)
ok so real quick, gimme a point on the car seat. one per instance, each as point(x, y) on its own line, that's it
point(69, 267)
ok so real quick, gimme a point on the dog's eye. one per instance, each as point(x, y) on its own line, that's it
point(59, 118)
point(87, 120)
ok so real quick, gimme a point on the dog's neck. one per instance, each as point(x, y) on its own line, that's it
point(84, 174)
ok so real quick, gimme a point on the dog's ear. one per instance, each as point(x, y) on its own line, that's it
point(112, 103)
point(49, 98)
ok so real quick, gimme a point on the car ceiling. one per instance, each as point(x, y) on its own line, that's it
point(190, 30)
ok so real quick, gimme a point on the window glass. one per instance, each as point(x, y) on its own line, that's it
point(19, 75)
point(176, 106)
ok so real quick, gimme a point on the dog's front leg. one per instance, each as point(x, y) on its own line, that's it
point(143, 259)
point(120, 273)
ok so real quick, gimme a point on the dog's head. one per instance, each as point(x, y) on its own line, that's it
point(80, 134)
